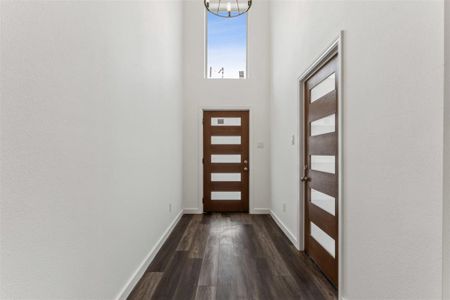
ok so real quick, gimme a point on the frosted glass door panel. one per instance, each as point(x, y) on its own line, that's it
point(225, 195)
point(326, 241)
point(225, 121)
point(323, 88)
point(225, 140)
point(323, 163)
point(226, 177)
point(324, 125)
point(324, 201)
point(226, 158)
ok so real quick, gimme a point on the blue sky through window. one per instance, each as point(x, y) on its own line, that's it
point(227, 46)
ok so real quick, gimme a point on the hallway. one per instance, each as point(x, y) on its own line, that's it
point(230, 256)
point(212, 149)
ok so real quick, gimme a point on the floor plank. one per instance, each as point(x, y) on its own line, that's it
point(231, 256)
point(146, 286)
point(187, 284)
point(205, 293)
point(210, 265)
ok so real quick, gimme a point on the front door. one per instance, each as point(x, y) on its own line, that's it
point(321, 168)
point(225, 161)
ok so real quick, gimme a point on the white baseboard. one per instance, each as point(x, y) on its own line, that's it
point(254, 211)
point(260, 211)
point(192, 211)
point(126, 290)
point(286, 231)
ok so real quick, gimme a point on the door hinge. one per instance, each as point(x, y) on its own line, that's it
point(203, 200)
point(203, 160)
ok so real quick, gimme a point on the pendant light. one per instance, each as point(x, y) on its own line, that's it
point(228, 8)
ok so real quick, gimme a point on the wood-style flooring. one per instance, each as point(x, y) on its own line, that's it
point(230, 256)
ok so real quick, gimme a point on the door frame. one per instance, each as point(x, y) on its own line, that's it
point(200, 151)
point(335, 47)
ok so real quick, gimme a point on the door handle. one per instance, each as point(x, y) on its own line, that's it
point(305, 179)
point(245, 169)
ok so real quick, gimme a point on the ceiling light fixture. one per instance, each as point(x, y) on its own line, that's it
point(228, 9)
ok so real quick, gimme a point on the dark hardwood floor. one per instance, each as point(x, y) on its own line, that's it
point(231, 256)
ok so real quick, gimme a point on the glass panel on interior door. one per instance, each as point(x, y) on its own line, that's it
point(225, 140)
point(324, 87)
point(225, 158)
point(225, 176)
point(324, 125)
point(225, 195)
point(225, 121)
point(324, 201)
point(323, 163)
point(326, 241)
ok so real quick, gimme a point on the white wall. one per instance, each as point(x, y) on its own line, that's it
point(201, 93)
point(91, 142)
point(393, 127)
point(446, 235)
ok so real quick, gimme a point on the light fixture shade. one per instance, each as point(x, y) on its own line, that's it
point(228, 8)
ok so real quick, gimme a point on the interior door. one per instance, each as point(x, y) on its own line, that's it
point(321, 168)
point(225, 161)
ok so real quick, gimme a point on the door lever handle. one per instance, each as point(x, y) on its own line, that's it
point(305, 179)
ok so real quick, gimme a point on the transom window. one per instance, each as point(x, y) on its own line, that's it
point(226, 47)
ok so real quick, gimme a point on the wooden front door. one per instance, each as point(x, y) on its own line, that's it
point(321, 167)
point(225, 161)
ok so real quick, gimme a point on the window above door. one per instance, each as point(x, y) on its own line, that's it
point(226, 47)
